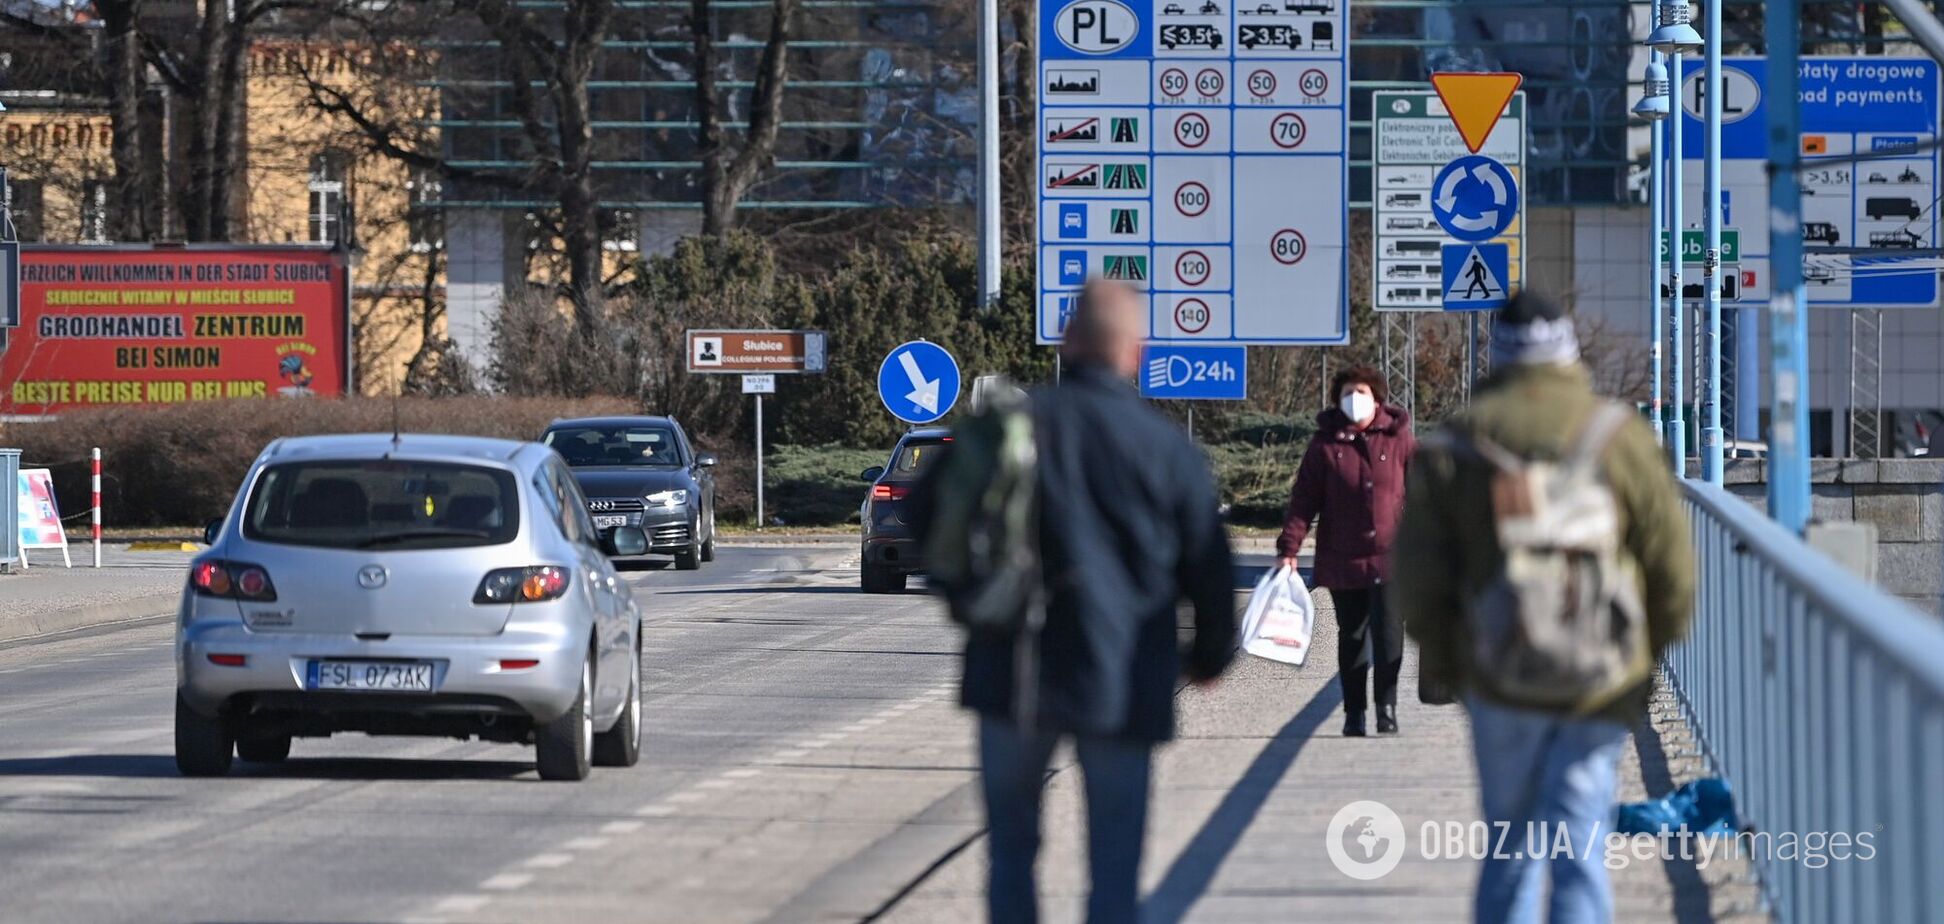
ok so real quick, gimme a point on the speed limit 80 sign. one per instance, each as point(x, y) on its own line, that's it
point(1196, 151)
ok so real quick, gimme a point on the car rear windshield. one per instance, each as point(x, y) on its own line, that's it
point(616, 445)
point(383, 504)
point(914, 456)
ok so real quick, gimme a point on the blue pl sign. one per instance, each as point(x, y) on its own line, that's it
point(1861, 218)
point(1207, 373)
point(1475, 198)
point(918, 382)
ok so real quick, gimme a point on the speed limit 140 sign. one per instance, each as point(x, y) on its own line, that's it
point(1198, 151)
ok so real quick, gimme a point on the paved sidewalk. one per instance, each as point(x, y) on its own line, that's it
point(48, 598)
point(1242, 800)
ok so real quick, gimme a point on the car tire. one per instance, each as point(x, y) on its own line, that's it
point(563, 747)
point(708, 545)
point(620, 746)
point(879, 579)
point(203, 746)
point(690, 560)
point(263, 749)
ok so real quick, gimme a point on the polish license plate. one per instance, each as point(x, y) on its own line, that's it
point(387, 676)
point(610, 521)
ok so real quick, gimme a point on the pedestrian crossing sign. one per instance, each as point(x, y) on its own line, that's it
point(1474, 276)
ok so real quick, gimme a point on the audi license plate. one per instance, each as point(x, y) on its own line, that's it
point(406, 676)
point(609, 521)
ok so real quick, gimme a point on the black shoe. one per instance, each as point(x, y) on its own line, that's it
point(1353, 725)
point(1387, 720)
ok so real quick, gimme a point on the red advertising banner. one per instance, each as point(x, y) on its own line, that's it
point(142, 325)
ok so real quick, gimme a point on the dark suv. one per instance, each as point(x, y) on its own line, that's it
point(642, 472)
point(890, 550)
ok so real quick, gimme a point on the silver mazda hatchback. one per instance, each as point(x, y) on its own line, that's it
point(409, 585)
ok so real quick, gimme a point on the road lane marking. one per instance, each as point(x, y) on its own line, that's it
point(550, 860)
point(791, 754)
point(462, 904)
point(687, 797)
point(621, 827)
point(714, 784)
point(506, 882)
point(655, 811)
point(742, 773)
point(586, 843)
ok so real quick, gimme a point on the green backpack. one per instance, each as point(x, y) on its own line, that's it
point(982, 543)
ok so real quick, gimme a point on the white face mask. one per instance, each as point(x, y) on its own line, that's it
point(1358, 406)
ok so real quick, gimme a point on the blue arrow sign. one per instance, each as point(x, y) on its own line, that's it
point(1475, 198)
point(1206, 373)
point(918, 382)
point(1474, 276)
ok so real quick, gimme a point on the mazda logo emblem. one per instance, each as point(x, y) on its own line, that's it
point(371, 577)
point(600, 505)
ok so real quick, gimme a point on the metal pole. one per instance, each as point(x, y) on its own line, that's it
point(991, 244)
point(1748, 373)
point(1788, 468)
point(760, 520)
point(1711, 260)
point(1677, 252)
point(1656, 176)
point(94, 461)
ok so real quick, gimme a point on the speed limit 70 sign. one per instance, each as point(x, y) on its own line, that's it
point(1198, 151)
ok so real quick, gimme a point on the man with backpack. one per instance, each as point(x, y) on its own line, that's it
point(1543, 564)
point(1062, 529)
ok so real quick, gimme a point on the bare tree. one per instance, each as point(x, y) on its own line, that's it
point(727, 173)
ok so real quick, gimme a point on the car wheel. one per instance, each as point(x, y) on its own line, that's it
point(708, 545)
point(620, 746)
point(263, 749)
point(881, 580)
point(203, 746)
point(563, 747)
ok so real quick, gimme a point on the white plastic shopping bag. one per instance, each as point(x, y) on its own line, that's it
point(1279, 619)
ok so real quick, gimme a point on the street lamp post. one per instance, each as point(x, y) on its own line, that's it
point(1711, 448)
point(1672, 37)
point(1788, 458)
point(1653, 107)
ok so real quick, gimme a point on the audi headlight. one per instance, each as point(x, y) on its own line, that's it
point(675, 498)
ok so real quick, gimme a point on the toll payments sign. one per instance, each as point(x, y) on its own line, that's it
point(142, 325)
point(1196, 149)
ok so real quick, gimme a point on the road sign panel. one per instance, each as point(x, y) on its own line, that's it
point(1205, 373)
point(759, 383)
point(9, 284)
point(1858, 217)
point(1475, 102)
point(1475, 198)
point(918, 382)
point(1412, 139)
point(784, 351)
point(1214, 136)
point(1474, 276)
point(1694, 246)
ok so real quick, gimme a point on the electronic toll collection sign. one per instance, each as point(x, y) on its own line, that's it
point(141, 325)
point(1195, 149)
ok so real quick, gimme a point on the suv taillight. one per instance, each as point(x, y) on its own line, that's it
point(232, 579)
point(889, 492)
point(531, 584)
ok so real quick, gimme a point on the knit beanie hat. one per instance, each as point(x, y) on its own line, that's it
point(1533, 330)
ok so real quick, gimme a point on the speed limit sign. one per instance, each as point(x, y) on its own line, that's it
point(1191, 199)
point(1191, 130)
point(1191, 315)
point(1262, 83)
point(1288, 246)
point(1288, 130)
point(1192, 268)
point(1313, 83)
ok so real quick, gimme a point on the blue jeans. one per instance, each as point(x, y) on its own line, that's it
point(1539, 772)
point(1013, 771)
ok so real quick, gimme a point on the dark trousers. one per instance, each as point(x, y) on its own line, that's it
point(1366, 627)
point(1012, 767)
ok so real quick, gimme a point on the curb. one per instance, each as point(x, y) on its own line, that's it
point(19, 627)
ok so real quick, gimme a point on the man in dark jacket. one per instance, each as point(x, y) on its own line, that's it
point(1129, 526)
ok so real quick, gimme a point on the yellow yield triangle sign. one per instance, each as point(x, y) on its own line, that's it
point(1475, 102)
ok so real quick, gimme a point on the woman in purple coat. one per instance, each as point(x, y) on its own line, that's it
point(1351, 484)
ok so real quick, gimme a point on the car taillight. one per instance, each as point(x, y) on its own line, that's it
point(531, 584)
point(889, 492)
point(232, 579)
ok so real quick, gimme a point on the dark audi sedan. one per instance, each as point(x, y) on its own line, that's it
point(890, 550)
point(643, 472)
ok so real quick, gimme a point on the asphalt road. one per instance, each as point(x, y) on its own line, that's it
point(803, 761)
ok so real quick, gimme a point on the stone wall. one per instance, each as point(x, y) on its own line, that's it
point(1902, 498)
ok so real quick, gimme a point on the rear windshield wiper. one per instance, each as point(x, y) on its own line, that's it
point(394, 538)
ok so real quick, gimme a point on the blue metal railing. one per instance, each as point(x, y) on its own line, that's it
point(1820, 699)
